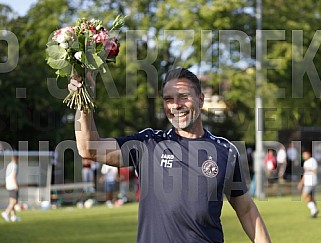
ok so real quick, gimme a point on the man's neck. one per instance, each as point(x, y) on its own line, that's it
point(195, 132)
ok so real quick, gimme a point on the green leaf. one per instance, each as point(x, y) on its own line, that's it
point(98, 60)
point(56, 52)
point(60, 73)
point(79, 69)
point(64, 72)
point(93, 61)
point(111, 59)
point(81, 42)
point(51, 43)
point(99, 47)
point(57, 64)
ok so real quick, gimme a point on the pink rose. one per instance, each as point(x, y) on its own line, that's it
point(64, 35)
point(111, 47)
point(101, 37)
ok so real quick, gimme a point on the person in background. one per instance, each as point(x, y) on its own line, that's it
point(95, 166)
point(292, 155)
point(249, 153)
point(109, 176)
point(281, 162)
point(137, 189)
point(124, 173)
point(270, 164)
point(308, 182)
point(12, 187)
point(88, 174)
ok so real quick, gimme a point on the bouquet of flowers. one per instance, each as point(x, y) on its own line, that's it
point(87, 46)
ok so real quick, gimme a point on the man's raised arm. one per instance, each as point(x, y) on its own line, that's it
point(89, 143)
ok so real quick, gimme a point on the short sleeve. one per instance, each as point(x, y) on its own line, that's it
point(132, 148)
point(235, 181)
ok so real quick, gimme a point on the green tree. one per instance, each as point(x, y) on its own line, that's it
point(200, 34)
point(296, 73)
point(171, 34)
point(30, 113)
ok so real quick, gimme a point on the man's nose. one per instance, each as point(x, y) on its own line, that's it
point(176, 103)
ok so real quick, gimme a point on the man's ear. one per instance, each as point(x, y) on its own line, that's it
point(201, 100)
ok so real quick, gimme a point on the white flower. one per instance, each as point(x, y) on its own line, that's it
point(60, 38)
point(78, 55)
point(63, 35)
point(64, 45)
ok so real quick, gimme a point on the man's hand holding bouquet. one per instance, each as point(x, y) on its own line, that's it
point(77, 51)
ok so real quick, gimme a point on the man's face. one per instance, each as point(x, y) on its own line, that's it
point(181, 103)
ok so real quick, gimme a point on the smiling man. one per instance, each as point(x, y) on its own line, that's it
point(184, 172)
point(183, 101)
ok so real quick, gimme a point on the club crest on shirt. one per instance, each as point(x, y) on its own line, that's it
point(210, 168)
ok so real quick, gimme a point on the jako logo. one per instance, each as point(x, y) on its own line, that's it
point(167, 160)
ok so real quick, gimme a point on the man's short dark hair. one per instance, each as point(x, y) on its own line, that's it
point(183, 73)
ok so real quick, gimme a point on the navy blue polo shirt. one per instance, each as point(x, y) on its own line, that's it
point(182, 183)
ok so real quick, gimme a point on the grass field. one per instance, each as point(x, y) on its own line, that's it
point(287, 220)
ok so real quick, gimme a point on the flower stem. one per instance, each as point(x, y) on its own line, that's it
point(81, 99)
